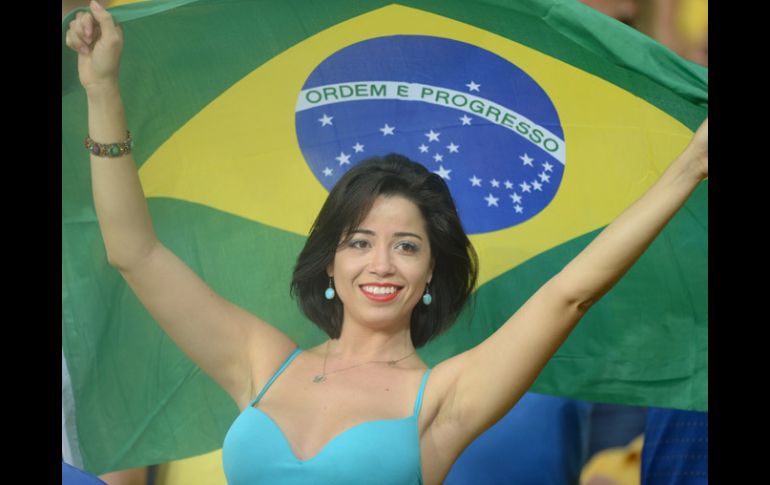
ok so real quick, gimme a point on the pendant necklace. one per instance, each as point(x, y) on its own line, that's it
point(322, 376)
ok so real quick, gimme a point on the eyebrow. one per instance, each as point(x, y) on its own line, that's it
point(397, 234)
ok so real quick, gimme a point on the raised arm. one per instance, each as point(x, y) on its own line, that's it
point(485, 382)
point(602, 263)
point(234, 347)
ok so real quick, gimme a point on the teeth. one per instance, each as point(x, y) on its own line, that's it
point(380, 290)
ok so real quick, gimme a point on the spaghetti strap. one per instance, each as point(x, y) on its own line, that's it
point(275, 376)
point(418, 401)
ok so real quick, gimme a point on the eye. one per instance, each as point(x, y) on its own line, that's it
point(407, 247)
point(358, 243)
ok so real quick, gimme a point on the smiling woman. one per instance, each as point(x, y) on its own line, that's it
point(417, 222)
point(390, 244)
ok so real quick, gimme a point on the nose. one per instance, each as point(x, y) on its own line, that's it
point(381, 263)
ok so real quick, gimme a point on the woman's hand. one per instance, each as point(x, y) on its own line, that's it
point(99, 43)
point(697, 152)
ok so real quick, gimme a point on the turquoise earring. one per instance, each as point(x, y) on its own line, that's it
point(329, 293)
point(427, 298)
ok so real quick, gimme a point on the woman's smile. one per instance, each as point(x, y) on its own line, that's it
point(380, 291)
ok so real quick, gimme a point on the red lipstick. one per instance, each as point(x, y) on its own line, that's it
point(380, 297)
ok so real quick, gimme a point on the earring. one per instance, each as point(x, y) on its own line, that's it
point(329, 293)
point(427, 298)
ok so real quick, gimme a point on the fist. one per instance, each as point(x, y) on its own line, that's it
point(99, 42)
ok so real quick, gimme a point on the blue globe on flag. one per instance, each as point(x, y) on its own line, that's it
point(468, 115)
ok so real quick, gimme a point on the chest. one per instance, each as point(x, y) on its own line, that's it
point(376, 452)
point(355, 427)
point(311, 415)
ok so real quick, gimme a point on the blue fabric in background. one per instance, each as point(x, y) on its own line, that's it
point(543, 440)
point(74, 476)
point(615, 425)
point(675, 448)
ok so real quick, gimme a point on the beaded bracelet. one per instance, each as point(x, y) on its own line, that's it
point(110, 150)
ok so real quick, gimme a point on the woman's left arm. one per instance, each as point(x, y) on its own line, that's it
point(482, 384)
point(593, 272)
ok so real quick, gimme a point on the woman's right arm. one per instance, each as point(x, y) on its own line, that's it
point(237, 349)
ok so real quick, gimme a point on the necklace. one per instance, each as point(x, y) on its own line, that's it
point(322, 376)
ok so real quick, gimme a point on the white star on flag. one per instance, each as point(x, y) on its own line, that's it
point(548, 167)
point(475, 181)
point(516, 198)
point(452, 147)
point(537, 185)
point(423, 148)
point(432, 136)
point(358, 147)
point(466, 120)
point(491, 200)
point(518, 209)
point(525, 187)
point(326, 120)
point(472, 86)
point(494, 183)
point(387, 130)
point(508, 184)
point(343, 159)
point(442, 172)
point(328, 172)
point(439, 158)
point(545, 177)
point(526, 159)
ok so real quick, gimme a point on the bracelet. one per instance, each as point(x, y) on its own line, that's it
point(110, 150)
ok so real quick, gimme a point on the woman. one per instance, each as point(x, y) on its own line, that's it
point(386, 268)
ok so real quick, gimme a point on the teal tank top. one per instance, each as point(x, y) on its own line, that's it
point(383, 451)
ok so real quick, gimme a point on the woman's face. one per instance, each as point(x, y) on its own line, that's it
point(381, 273)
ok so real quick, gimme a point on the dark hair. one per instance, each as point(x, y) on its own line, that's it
point(456, 264)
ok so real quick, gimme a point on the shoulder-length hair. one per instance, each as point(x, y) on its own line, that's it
point(455, 262)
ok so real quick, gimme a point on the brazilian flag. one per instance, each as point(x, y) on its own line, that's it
point(545, 118)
